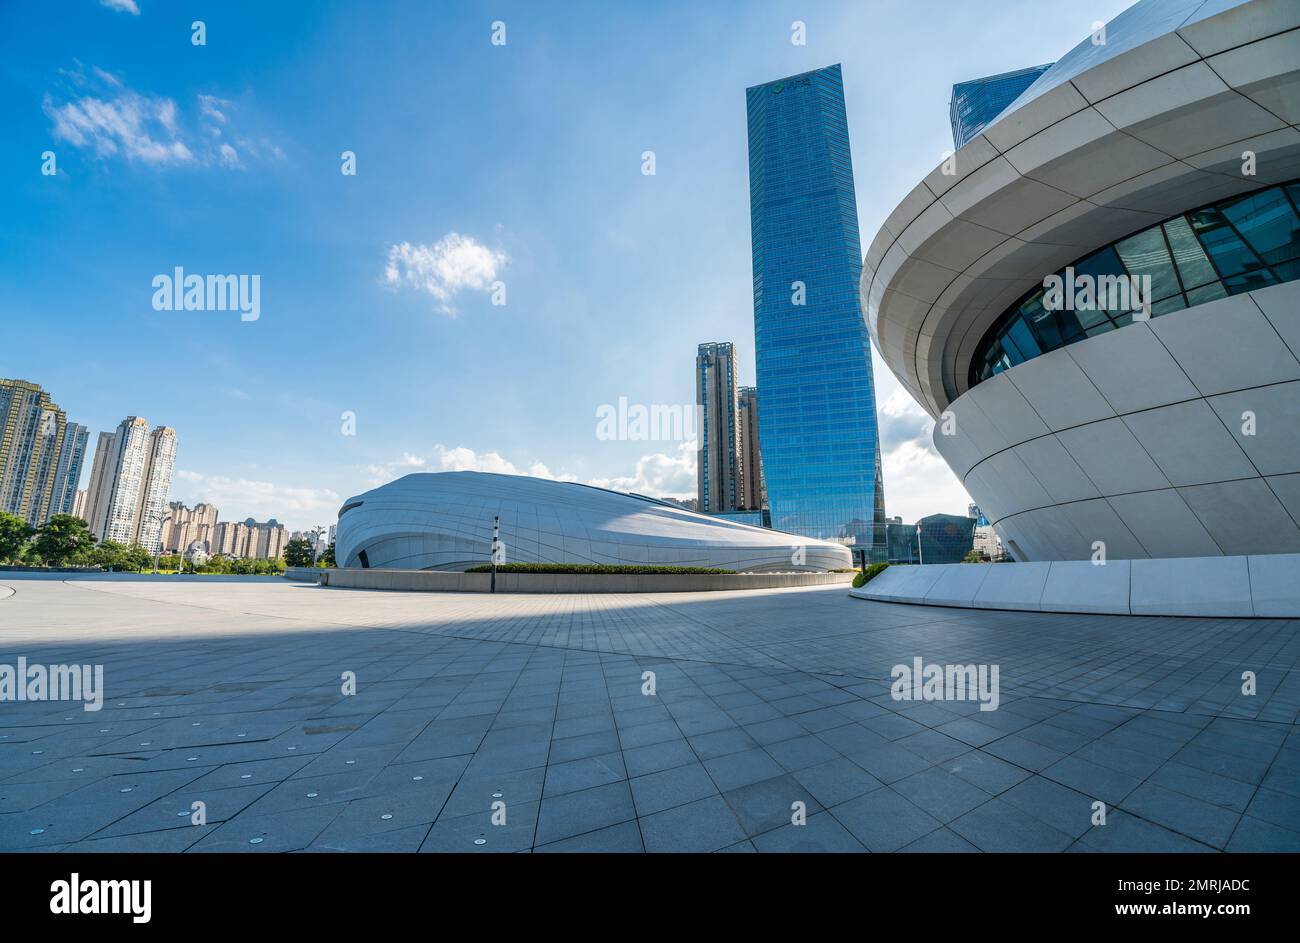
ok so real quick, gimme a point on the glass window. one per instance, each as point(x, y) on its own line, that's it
point(1193, 266)
point(1198, 296)
point(1233, 246)
point(1287, 271)
point(1260, 278)
point(1176, 303)
point(1022, 340)
point(1145, 254)
point(1268, 223)
point(1231, 256)
point(1099, 265)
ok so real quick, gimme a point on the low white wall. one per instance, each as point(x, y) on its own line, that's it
point(1263, 585)
point(306, 574)
point(428, 581)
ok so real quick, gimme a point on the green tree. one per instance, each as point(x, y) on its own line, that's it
point(297, 552)
point(110, 555)
point(138, 558)
point(63, 538)
point(327, 558)
point(14, 534)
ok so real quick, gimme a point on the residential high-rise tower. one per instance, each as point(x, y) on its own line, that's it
point(129, 483)
point(718, 469)
point(751, 462)
point(32, 440)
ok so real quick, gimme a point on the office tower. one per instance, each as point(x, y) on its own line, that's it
point(818, 434)
point(79, 504)
point(183, 527)
point(718, 469)
point(155, 487)
point(976, 103)
point(100, 489)
point(32, 430)
point(751, 464)
point(67, 475)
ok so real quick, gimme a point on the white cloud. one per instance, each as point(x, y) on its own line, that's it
point(463, 459)
point(452, 264)
point(107, 78)
point(105, 117)
point(901, 419)
point(121, 6)
point(918, 482)
point(460, 458)
point(139, 127)
point(659, 475)
point(210, 106)
point(239, 498)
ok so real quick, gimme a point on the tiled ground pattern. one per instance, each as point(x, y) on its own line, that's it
point(229, 692)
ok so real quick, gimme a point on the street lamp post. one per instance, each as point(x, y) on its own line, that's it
point(316, 532)
point(496, 536)
point(920, 557)
point(158, 550)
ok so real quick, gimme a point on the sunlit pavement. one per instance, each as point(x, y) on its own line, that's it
point(534, 711)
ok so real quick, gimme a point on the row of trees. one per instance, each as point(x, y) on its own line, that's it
point(67, 541)
point(238, 566)
point(63, 541)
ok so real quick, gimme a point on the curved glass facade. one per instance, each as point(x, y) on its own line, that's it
point(1229, 247)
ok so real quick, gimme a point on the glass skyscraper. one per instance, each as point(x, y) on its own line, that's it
point(976, 103)
point(817, 427)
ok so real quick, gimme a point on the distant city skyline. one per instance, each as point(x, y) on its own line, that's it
point(376, 289)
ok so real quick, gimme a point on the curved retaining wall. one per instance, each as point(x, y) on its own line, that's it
point(1265, 585)
point(435, 582)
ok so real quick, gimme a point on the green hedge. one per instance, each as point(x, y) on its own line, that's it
point(862, 579)
point(605, 568)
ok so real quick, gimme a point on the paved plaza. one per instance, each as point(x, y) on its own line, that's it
point(229, 692)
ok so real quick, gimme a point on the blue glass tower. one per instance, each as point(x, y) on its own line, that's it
point(817, 428)
point(976, 103)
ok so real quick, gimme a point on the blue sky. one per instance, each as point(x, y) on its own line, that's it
point(475, 164)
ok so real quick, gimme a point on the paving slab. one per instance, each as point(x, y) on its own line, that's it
point(473, 706)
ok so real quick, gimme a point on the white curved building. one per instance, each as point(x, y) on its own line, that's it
point(443, 521)
point(1164, 156)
